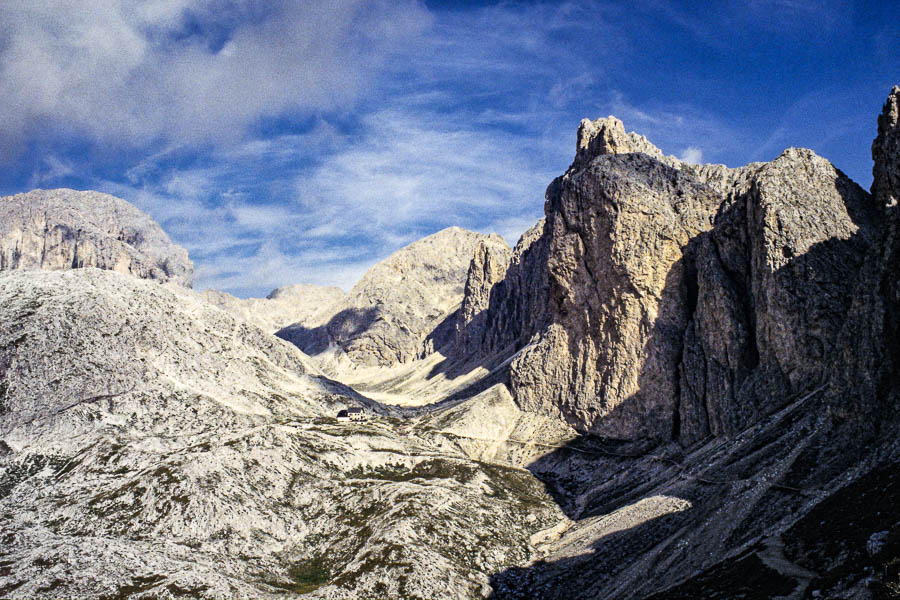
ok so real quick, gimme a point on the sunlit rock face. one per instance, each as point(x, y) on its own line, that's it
point(68, 229)
point(682, 300)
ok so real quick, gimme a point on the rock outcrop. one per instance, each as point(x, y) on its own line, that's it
point(391, 314)
point(68, 229)
point(511, 308)
point(683, 300)
point(303, 304)
point(607, 136)
point(487, 268)
point(886, 189)
point(775, 280)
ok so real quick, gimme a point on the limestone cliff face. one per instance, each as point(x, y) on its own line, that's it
point(683, 300)
point(396, 311)
point(617, 229)
point(487, 268)
point(886, 152)
point(506, 298)
point(774, 282)
point(886, 189)
point(67, 229)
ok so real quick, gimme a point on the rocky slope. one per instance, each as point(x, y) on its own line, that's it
point(301, 304)
point(800, 505)
point(88, 336)
point(394, 313)
point(152, 445)
point(64, 229)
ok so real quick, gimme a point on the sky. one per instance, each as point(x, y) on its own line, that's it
point(287, 142)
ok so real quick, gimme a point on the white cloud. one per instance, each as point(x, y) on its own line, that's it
point(130, 72)
point(52, 170)
point(692, 154)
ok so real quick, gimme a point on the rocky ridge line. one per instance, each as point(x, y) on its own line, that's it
point(394, 313)
point(306, 305)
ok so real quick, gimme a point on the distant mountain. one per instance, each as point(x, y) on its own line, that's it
point(67, 229)
point(303, 304)
point(398, 303)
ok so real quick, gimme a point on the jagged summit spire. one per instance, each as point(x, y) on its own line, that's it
point(886, 152)
point(607, 136)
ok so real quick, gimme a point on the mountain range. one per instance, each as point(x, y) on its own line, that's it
point(682, 382)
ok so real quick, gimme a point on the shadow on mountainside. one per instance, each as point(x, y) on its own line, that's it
point(757, 446)
point(343, 326)
point(516, 309)
point(737, 497)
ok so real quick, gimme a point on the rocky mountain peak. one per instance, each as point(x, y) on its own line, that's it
point(607, 136)
point(674, 300)
point(69, 229)
point(886, 152)
point(488, 267)
point(398, 303)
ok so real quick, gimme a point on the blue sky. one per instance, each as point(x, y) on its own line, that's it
point(284, 142)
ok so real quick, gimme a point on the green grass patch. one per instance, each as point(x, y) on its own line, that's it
point(305, 577)
point(435, 468)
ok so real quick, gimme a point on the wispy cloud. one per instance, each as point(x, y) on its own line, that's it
point(52, 171)
point(401, 178)
point(411, 174)
point(678, 130)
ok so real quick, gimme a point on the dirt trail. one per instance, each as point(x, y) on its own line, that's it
point(773, 557)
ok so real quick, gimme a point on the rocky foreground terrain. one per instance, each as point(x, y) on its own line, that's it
point(681, 383)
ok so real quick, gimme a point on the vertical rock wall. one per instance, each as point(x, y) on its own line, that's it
point(682, 300)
